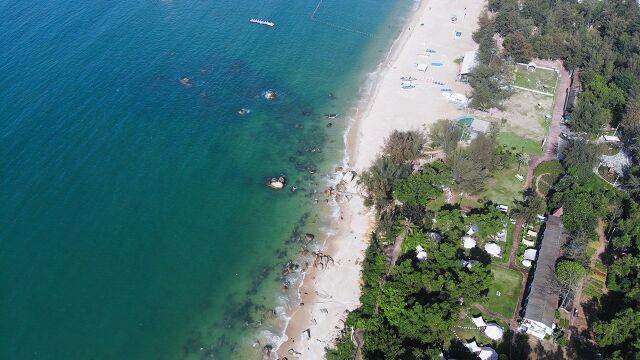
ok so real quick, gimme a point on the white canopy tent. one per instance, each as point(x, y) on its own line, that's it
point(468, 242)
point(473, 347)
point(493, 249)
point(487, 353)
point(526, 263)
point(478, 321)
point(493, 331)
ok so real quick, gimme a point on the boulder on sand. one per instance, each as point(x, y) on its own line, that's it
point(309, 237)
point(348, 176)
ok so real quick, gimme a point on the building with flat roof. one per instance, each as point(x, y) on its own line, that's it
point(542, 301)
point(468, 63)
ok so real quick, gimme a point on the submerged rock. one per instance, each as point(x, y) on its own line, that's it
point(186, 82)
point(277, 183)
point(270, 95)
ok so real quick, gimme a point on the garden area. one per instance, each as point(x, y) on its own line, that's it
point(545, 175)
point(504, 291)
point(538, 79)
point(504, 187)
point(519, 143)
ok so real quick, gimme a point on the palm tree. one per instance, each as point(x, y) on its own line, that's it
point(523, 158)
point(407, 226)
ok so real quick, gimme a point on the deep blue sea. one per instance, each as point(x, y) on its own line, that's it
point(134, 218)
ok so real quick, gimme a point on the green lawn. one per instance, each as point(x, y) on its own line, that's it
point(504, 187)
point(507, 282)
point(508, 244)
point(521, 144)
point(539, 79)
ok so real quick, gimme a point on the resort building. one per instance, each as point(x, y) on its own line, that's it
point(542, 301)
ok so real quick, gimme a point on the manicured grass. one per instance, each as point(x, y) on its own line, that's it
point(504, 187)
point(539, 79)
point(508, 283)
point(509, 243)
point(518, 143)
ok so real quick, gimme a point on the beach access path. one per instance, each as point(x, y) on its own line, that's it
point(429, 37)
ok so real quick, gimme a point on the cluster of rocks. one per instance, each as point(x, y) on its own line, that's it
point(344, 189)
point(321, 259)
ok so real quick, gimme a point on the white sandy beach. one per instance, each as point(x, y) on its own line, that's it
point(329, 294)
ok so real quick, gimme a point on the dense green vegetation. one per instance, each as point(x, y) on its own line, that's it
point(410, 308)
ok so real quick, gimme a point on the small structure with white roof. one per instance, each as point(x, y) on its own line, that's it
point(422, 67)
point(530, 254)
point(473, 228)
point(469, 62)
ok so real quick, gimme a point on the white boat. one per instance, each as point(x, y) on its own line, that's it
point(262, 22)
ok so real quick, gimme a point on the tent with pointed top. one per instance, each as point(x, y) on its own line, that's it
point(493, 331)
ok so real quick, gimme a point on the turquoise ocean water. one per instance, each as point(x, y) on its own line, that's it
point(135, 222)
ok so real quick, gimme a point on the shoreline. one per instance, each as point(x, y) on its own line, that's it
point(326, 296)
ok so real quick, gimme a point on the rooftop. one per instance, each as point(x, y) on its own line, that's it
point(542, 301)
point(468, 62)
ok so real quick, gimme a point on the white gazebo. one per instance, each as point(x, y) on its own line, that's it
point(468, 242)
point(493, 249)
point(493, 331)
point(526, 263)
